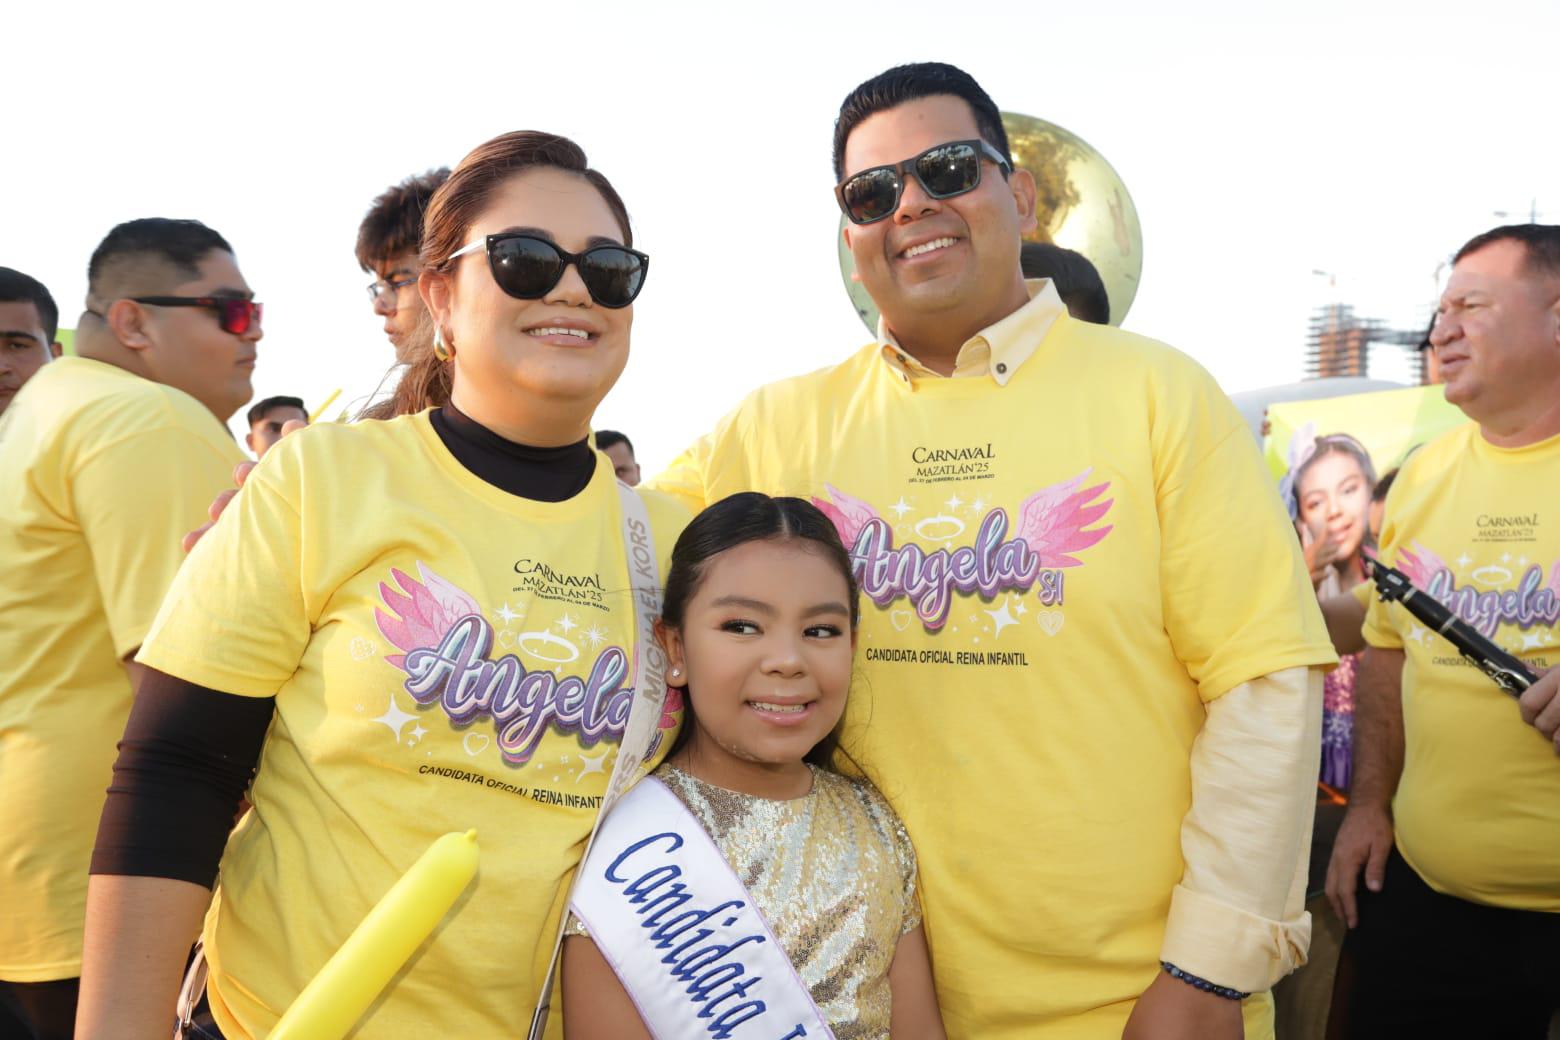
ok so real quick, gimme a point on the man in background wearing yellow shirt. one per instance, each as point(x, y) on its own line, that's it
point(29, 321)
point(107, 459)
point(1455, 809)
point(1090, 661)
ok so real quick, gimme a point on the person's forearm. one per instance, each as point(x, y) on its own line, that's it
point(1345, 617)
point(1378, 728)
point(1237, 917)
point(139, 933)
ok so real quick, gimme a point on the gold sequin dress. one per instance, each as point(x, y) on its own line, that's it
point(833, 872)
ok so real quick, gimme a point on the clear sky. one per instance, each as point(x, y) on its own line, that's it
point(1261, 142)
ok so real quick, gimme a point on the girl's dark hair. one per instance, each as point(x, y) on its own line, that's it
point(455, 206)
point(734, 521)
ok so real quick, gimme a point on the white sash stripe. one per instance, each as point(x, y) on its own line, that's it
point(644, 716)
point(695, 954)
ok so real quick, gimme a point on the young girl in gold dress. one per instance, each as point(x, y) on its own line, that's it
point(759, 624)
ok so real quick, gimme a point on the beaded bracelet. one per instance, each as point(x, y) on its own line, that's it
point(1202, 984)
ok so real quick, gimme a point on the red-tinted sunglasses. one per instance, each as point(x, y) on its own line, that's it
point(234, 315)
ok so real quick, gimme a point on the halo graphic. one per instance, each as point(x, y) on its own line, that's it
point(541, 639)
point(951, 526)
point(1494, 574)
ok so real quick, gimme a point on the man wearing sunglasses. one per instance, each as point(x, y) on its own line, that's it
point(108, 458)
point(1091, 660)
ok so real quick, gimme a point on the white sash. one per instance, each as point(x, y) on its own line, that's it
point(644, 716)
point(695, 955)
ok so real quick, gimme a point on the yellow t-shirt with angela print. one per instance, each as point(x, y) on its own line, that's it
point(443, 656)
point(1477, 810)
point(101, 473)
point(1056, 574)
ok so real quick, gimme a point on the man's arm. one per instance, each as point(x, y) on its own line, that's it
point(1238, 917)
point(1365, 837)
point(1345, 617)
point(134, 499)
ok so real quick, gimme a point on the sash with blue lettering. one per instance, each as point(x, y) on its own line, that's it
point(681, 932)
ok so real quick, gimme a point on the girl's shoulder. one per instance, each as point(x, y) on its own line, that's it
point(866, 808)
point(862, 795)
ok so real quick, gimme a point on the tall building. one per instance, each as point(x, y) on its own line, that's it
point(1342, 343)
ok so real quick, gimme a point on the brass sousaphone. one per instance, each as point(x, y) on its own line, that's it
point(1082, 205)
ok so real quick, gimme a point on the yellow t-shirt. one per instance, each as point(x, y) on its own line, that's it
point(1056, 574)
point(101, 474)
point(1477, 810)
point(443, 655)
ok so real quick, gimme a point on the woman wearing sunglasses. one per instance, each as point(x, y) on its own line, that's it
point(404, 628)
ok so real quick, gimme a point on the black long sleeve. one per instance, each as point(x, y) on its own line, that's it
point(187, 755)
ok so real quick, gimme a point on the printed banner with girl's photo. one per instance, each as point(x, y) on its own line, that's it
point(1333, 459)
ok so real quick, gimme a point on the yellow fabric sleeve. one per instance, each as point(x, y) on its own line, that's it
point(684, 479)
point(135, 500)
point(237, 618)
point(1238, 916)
point(1231, 570)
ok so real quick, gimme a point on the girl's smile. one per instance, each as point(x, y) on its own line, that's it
point(765, 641)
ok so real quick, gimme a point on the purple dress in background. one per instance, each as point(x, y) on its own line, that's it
point(1338, 722)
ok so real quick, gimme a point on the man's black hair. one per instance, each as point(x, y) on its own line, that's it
point(1077, 281)
point(393, 223)
point(257, 413)
point(606, 438)
point(16, 287)
point(904, 83)
point(182, 244)
point(1542, 241)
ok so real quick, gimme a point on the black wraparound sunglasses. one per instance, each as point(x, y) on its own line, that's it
point(528, 266)
point(943, 171)
point(235, 315)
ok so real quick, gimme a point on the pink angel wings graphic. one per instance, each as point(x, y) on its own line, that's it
point(1420, 564)
point(423, 611)
point(1052, 520)
point(849, 514)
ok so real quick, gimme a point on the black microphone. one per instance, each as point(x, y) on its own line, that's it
point(1509, 673)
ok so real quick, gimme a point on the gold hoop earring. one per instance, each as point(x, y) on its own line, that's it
point(441, 349)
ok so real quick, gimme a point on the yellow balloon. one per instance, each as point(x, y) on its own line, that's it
point(382, 943)
point(1082, 204)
